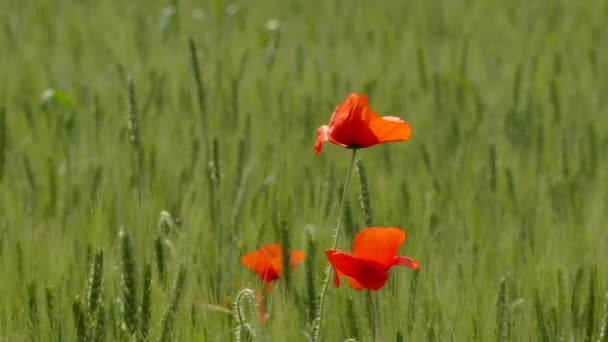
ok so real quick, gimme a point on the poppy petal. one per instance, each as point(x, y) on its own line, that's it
point(346, 124)
point(368, 273)
point(379, 244)
point(336, 278)
point(265, 262)
point(386, 129)
point(295, 257)
point(355, 284)
point(322, 136)
point(407, 262)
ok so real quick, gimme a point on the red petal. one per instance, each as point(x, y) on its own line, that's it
point(295, 257)
point(265, 262)
point(346, 123)
point(385, 129)
point(367, 273)
point(322, 136)
point(407, 262)
point(355, 284)
point(379, 244)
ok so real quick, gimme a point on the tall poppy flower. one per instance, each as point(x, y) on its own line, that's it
point(266, 261)
point(354, 125)
point(374, 252)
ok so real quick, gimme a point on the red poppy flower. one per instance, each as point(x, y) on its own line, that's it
point(374, 251)
point(266, 261)
point(354, 125)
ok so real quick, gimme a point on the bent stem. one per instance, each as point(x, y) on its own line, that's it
point(373, 319)
point(316, 328)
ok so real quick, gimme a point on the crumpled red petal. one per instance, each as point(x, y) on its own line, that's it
point(367, 273)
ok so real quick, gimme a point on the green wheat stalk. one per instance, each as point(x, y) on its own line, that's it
point(79, 320)
point(94, 285)
point(33, 315)
point(3, 140)
point(502, 318)
point(166, 223)
point(52, 184)
point(309, 264)
point(603, 333)
point(168, 318)
point(364, 199)
point(575, 301)
point(159, 253)
point(129, 282)
point(352, 319)
point(284, 235)
point(134, 135)
point(99, 327)
point(50, 308)
point(492, 167)
point(590, 308)
point(412, 308)
point(541, 325)
point(349, 223)
point(146, 303)
point(200, 92)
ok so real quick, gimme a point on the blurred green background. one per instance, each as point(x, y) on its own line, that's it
point(502, 188)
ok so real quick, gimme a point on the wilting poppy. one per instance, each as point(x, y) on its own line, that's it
point(354, 125)
point(374, 252)
point(266, 261)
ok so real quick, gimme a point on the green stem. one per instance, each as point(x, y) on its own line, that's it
point(316, 328)
point(373, 321)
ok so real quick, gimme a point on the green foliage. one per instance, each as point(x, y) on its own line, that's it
point(504, 174)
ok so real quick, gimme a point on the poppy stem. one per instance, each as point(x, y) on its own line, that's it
point(343, 199)
point(373, 319)
point(316, 327)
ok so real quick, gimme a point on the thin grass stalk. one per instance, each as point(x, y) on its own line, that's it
point(590, 309)
point(286, 243)
point(373, 315)
point(134, 136)
point(575, 301)
point(429, 167)
point(352, 315)
point(316, 328)
point(129, 283)
point(171, 310)
point(79, 320)
point(52, 184)
point(541, 326)
point(200, 92)
point(3, 139)
point(364, 199)
point(603, 333)
point(33, 314)
point(502, 323)
point(555, 100)
point(19, 262)
point(50, 308)
point(245, 328)
point(213, 180)
point(309, 263)
point(159, 252)
point(421, 63)
point(146, 303)
point(492, 167)
point(412, 309)
point(239, 198)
